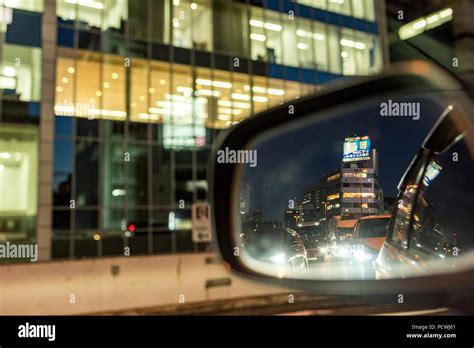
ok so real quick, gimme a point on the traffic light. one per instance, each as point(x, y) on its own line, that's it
point(131, 227)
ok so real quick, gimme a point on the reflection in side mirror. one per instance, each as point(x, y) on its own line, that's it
point(323, 202)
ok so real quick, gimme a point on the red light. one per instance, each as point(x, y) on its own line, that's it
point(131, 227)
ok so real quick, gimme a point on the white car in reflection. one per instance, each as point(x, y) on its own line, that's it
point(278, 247)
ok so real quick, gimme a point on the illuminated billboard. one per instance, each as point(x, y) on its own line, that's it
point(356, 149)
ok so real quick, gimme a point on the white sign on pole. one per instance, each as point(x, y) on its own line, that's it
point(201, 218)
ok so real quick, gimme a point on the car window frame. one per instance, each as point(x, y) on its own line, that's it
point(432, 155)
point(421, 162)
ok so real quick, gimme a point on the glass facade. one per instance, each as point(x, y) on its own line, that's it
point(143, 88)
point(354, 8)
point(20, 81)
point(18, 182)
point(233, 28)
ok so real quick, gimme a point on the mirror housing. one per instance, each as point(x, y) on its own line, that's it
point(406, 78)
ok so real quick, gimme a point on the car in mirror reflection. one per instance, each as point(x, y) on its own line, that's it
point(277, 246)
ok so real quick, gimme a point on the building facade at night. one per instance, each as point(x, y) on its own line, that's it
point(109, 108)
point(322, 196)
point(361, 193)
point(352, 190)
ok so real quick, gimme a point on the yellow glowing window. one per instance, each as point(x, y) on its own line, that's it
point(358, 195)
point(334, 177)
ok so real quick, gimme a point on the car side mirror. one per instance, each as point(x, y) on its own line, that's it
point(322, 164)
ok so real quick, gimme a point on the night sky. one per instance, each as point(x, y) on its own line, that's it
point(289, 161)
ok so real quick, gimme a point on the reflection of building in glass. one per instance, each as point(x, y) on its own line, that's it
point(127, 98)
point(292, 218)
point(361, 193)
point(404, 210)
point(351, 190)
point(429, 231)
point(323, 196)
point(388, 204)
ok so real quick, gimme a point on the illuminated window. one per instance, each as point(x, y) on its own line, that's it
point(355, 8)
point(85, 87)
point(275, 93)
point(293, 90)
point(242, 86)
point(28, 5)
point(358, 195)
point(148, 92)
point(333, 196)
point(18, 181)
point(20, 72)
point(340, 6)
point(92, 85)
point(275, 29)
point(259, 88)
point(354, 175)
point(88, 88)
point(334, 177)
point(183, 110)
point(359, 53)
point(139, 100)
point(103, 14)
point(312, 44)
point(334, 49)
point(192, 24)
point(258, 38)
point(65, 72)
point(113, 87)
point(231, 101)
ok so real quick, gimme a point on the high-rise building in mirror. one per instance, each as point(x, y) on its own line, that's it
point(353, 190)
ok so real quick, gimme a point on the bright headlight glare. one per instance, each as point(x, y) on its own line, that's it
point(343, 251)
point(278, 258)
point(361, 255)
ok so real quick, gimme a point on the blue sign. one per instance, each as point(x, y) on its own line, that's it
point(356, 149)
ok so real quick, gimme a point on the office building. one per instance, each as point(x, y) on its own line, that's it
point(109, 108)
point(353, 190)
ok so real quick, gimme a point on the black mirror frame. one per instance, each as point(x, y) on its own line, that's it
point(404, 77)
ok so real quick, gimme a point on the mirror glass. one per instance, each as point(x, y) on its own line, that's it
point(320, 198)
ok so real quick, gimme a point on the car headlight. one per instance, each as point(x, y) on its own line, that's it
point(343, 251)
point(361, 255)
point(278, 258)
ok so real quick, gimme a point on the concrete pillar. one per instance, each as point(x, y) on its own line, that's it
point(46, 138)
point(381, 18)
